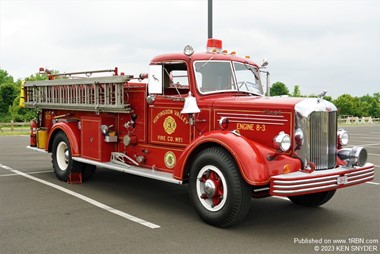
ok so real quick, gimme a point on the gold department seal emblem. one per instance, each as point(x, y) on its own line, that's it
point(170, 159)
point(169, 125)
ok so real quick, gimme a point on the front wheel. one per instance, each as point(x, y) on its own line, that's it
point(313, 200)
point(219, 194)
point(63, 164)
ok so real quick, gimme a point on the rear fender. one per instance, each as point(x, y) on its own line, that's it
point(72, 132)
point(247, 154)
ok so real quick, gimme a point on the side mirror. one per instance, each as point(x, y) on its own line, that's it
point(264, 64)
point(155, 83)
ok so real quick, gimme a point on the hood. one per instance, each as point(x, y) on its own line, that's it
point(262, 118)
point(303, 106)
point(259, 103)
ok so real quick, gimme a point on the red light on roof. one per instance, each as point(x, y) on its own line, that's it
point(214, 44)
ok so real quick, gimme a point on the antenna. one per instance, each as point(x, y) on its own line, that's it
point(209, 19)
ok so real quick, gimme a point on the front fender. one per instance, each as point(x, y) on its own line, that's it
point(247, 154)
point(72, 132)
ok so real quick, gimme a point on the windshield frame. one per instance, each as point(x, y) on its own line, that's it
point(234, 87)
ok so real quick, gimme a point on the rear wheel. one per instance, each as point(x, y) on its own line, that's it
point(313, 200)
point(218, 192)
point(63, 164)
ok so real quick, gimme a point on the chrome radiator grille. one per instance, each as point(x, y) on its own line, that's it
point(322, 139)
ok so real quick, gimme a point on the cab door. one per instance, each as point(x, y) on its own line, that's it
point(168, 87)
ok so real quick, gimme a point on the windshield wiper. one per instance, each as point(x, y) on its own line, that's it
point(203, 65)
point(249, 92)
point(250, 68)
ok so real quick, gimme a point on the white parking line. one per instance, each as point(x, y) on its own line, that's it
point(30, 173)
point(373, 183)
point(376, 144)
point(84, 198)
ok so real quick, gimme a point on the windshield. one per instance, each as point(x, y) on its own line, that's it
point(226, 76)
point(247, 78)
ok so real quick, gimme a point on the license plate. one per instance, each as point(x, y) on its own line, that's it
point(341, 180)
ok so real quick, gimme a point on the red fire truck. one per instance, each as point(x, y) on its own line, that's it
point(201, 119)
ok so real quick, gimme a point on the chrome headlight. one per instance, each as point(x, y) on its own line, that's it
point(188, 50)
point(282, 142)
point(342, 137)
point(356, 156)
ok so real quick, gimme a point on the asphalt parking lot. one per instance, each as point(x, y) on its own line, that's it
point(120, 213)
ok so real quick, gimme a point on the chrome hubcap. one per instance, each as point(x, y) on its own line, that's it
point(211, 187)
point(62, 156)
point(67, 156)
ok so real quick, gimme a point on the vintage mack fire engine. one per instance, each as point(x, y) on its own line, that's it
point(201, 119)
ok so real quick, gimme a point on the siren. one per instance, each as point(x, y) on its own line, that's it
point(214, 45)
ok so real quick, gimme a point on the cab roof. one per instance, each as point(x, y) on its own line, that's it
point(173, 57)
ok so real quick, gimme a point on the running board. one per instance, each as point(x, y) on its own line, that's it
point(36, 149)
point(134, 170)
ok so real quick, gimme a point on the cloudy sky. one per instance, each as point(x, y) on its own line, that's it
point(319, 45)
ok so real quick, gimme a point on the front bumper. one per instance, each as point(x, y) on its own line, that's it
point(300, 183)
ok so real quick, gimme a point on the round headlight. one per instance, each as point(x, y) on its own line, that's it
point(342, 137)
point(282, 142)
point(356, 156)
point(223, 123)
point(188, 50)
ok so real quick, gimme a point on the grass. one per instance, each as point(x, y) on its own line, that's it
point(17, 130)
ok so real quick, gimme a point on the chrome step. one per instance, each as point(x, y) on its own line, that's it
point(134, 170)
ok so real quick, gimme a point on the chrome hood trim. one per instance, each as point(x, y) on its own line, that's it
point(317, 118)
point(310, 105)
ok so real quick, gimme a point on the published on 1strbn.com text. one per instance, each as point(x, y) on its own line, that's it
point(354, 244)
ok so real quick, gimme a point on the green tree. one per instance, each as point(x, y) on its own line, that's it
point(377, 96)
point(328, 98)
point(297, 91)
point(19, 114)
point(8, 92)
point(374, 108)
point(348, 105)
point(10, 97)
point(279, 88)
point(4, 77)
point(371, 104)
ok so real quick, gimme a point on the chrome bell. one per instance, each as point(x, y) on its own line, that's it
point(190, 106)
